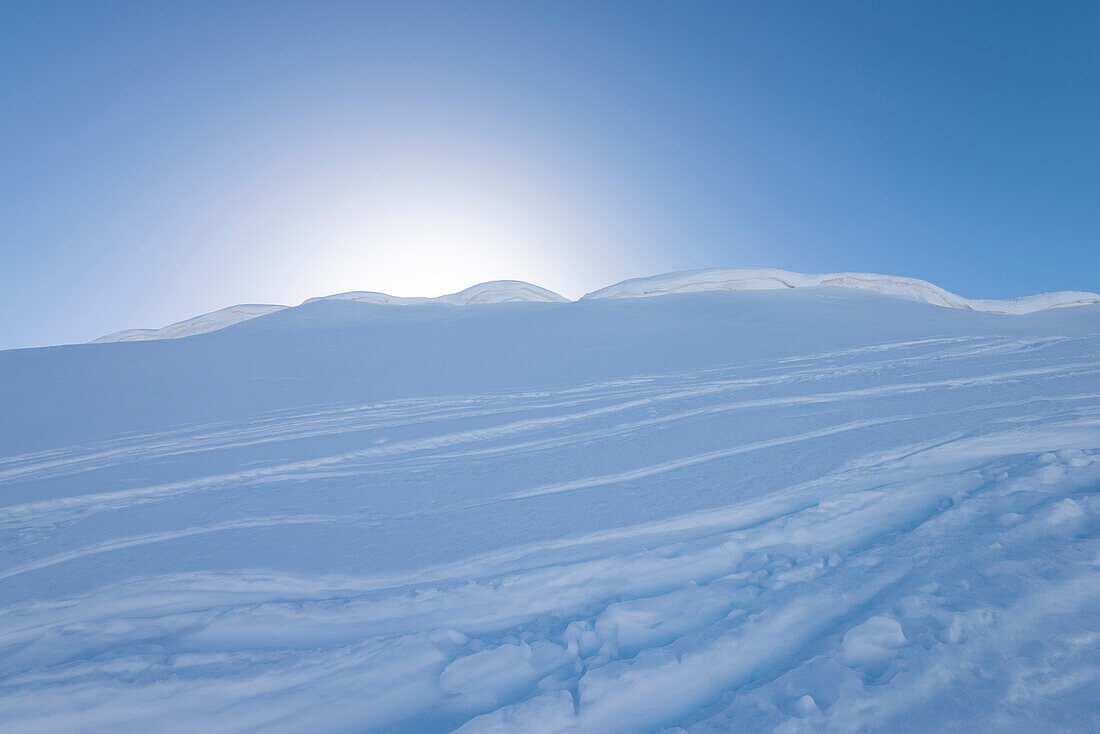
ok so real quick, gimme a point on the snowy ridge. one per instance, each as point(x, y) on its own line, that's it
point(502, 291)
point(727, 279)
point(382, 299)
point(495, 291)
point(202, 324)
point(688, 281)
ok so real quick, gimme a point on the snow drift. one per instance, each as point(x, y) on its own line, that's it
point(495, 291)
point(719, 279)
point(207, 322)
point(690, 281)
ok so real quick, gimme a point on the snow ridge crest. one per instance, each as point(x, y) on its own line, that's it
point(687, 281)
point(718, 279)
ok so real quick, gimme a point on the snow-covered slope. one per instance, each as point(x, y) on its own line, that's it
point(203, 324)
point(502, 291)
point(496, 291)
point(719, 279)
point(690, 281)
point(812, 510)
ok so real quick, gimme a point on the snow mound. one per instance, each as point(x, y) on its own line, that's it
point(196, 325)
point(494, 291)
point(718, 279)
point(382, 299)
point(502, 291)
point(688, 281)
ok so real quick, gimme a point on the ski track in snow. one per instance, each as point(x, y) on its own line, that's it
point(929, 546)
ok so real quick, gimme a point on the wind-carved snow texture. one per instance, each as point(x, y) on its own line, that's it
point(786, 511)
point(689, 281)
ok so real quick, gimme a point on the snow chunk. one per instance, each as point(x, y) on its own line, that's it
point(718, 279)
point(873, 641)
point(1066, 516)
point(806, 706)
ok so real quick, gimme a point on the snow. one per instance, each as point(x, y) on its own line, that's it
point(691, 281)
point(810, 509)
point(203, 324)
point(874, 641)
point(509, 291)
point(497, 291)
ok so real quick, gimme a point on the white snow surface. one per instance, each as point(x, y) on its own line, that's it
point(725, 279)
point(689, 281)
point(203, 324)
point(496, 291)
point(816, 510)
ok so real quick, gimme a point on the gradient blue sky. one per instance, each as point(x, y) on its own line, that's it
point(159, 160)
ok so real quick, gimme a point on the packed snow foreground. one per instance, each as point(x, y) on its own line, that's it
point(814, 507)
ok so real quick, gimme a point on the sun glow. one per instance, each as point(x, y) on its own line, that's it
point(429, 243)
point(425, 228)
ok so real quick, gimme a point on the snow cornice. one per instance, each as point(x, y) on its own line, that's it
point(688, 281)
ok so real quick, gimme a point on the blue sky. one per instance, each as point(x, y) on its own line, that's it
point(159, 160)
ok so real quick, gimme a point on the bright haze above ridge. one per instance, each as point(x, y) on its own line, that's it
point(162, 160)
